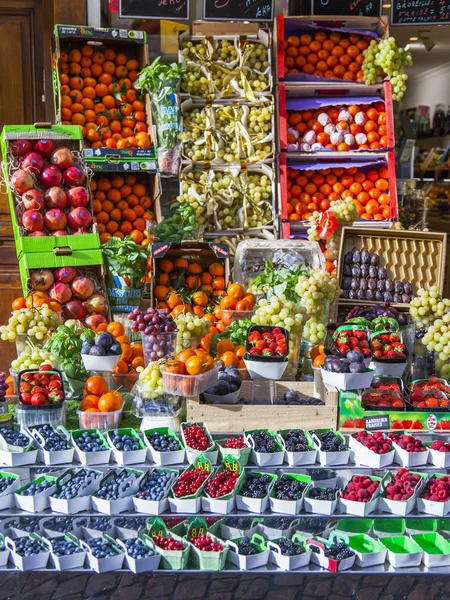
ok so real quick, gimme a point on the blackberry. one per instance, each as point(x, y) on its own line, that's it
point(287, 488)
point(264, 442)
point(318, 493)
point(279, 523)
point(290, 548)
point(295, 440)
point(339, 551)
point(255, 486)
point(330, 442)
point(247, 548)
point(240, 522)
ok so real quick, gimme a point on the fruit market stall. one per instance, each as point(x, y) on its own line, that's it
point(191, 393)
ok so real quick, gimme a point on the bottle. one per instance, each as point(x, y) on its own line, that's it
point(439, 119)
point(447, 122)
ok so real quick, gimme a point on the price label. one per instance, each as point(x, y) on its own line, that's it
point(157, 528)
point(203, 464)
point(197, 527)
point(232, 464)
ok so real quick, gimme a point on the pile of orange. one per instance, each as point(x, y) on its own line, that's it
point(236, 300)
point(310, 191)
point(98, 93)
point(184, 285)
point(97, 398)
point(188, 362)
point(121, 207)
point(331, 54)
point(35, 300)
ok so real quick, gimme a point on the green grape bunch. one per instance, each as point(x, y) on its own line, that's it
point(384, 57)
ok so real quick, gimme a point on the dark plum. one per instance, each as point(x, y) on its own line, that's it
point(357, 257)
point(357, 367)
point(373, 271)
point(361, 295)
point(389, 285)
point(344, 293)
point(354, 284)
point(346, 282)
point(347, 270)
point(379, 296)
point(363, 285)
point(348, 258)
point(355, 356)
point(364, 270)
point(374, 260)
point(407, 288)
point(356, 271)
point(372, 284)
point(352, 295)
point(370, 295)
point(387, 297)
point(397, 298)
point(381, 284)
point(382, 273)
point(406, 298)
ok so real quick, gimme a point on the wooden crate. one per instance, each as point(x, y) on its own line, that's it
point(235, 418)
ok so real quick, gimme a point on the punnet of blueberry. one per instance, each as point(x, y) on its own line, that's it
point(163, 442)
point(288, 488)
point(136, 548)
point(264, 442)
point(134, 523)
point(5, 482)
point(295, 440)
point(27, 546)
point(90, 442)
point(28, 524)
point(60, 524)
point(247, 548)
point(255, 486)
point(34, 488)
point(329, 441)
point(124, 442)
point(100, 523)
point(153, 486)
point(319, 493)
point(290, 548)
point(65, 548)
point(70, 489)
point(15, 438)
point(114, 487)
point(101, 548)
point(53, 440)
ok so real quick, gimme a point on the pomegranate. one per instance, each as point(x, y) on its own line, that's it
point(65, 274)
point(38, 234)
point(95, 304)
point(22, 181)
point(80, 232)
point(33, 199)
point(55, 219)
point(51, 176)
point(82, 287)
point(61, 292)
point(55, 197)
point(93, 321)
point(78, 196)
point(33, 162)
point(79, 218)
point(41, 279)
point(44, 147)
point(62, 158)
point(74, 310)
point(32, 220)
point(60, 232)
point(20, 147)
point(74, 176)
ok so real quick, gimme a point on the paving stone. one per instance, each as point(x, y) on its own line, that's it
point(187, 576)
point(345, 585)
point(253, 588)
point(190, 589)
point(70, 585)
point(400, 585)
point(131, 592)
point(369, 593)
point(319, 587)
point(288, 579)
point(376, 580)
point(222, 585)
point(286, 593)
point(101, 582)
point(220, 596)
point(160, 586)
point(425, 591)
point(36, 586)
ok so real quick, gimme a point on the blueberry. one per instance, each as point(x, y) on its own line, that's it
point(5, 482)
point(136, 548)
point(33, 488)
point(153, 486)
point(134, 523)
point(65, 548)
point(53, 440)
point(101, 548)
point(100, 523)
point(124, 442)
point(15, 438)
point(27, 546)
point(110, 489)
point(90, 442)
point(60, 524)
point(163, 442)
point(28, 524)
point(71, 489)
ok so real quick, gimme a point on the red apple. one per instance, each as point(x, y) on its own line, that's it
point(79, 218)
point(61, 292)
point(93, 321)
point(20, 147)
point(22, 181)
point(65, 274)
point(33, 199)
point(78, 196)
point(74, 309)
point(62, 158)
point(74, 176)
point(55, 197)
point(55, 219)
point(32, 220)
point(95, 304)
point(33, 162)
point(82, 287)
point(50, 177)
point(44, 147)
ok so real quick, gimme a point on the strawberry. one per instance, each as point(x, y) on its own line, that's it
point(360, 335)
point(261, 344)
point(277, 331)
point(342, 339)
point(255, 351)
point(56, 396)
point(26, 398)
point(398, 347)
point(376, 343)
point(272, 346)
point(24, 387)
point(45, 367)
point(37, 399)
point(343, 349)
point(254, 337)
point(267, 336)
point(394, 337)
point(55, 385)
point(267, 352)
point(363, 344)
point(366, 351)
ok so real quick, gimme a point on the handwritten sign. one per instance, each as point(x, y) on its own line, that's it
point(377, 423)
point(157, 528)
point(175, 10)
point(360, 8)
point(420, 12)
point(197, 527)
point(203, 464)
point(238, 10)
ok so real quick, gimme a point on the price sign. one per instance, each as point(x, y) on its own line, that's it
point(360, 8)
point(197, 527)
point(238, 10)
point(203, 464)
point(431, 12)
point(157, 528)
point(232, 464)
point(177, 10)
point(377, 423)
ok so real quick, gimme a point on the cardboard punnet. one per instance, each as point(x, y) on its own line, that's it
point(329, 459)
point(402, 551)
point(289, 563)
point(28, 563)
point(289, 507)
point(91, 458)
point(330, 564)
point(164, 459)
point(363, 456)
point(145, 563)
point(245, 563)
point(191, 504)
point(361, 509)
point(296, 459)
point(109, 563)
point(369, 552)
point(265, 459)
point(211, 453)
point(17, 456)
point(430, 507)
point(71, 561)
point(82, 500)
point(131, 457)
point(52, 457)
point(436, 549)
point(7, 496)
point(37, 502)
point(127, 489)
point(155, 507)
point(401, 507)
point(255, 505)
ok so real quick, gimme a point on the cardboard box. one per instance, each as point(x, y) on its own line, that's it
point(82, 501)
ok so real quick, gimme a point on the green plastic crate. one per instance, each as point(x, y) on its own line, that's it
point(71, 136)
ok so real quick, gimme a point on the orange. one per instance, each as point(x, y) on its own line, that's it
point(224, 346)
point(137, 362)
point(89, 401)
point(229, 359)
point(95, 385)
point(160, 292)
point(195, 365)
point(166, 265)
point(110, 401)
point(121, 368)
point(218, 283)
point(216, 269)
point(235, 290)
point(194, 269)
point(115, 328)
point(92, 410)
point(184, 355)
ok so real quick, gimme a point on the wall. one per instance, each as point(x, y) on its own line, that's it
point(429, 88)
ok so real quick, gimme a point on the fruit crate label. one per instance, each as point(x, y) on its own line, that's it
point(377, 423)
point(232, 464)
point(203, 464)
point(157, 528)
point(63, 31)
point(123, 153)
point(196, 528)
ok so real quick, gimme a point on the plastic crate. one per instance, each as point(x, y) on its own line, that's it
point(52, 416)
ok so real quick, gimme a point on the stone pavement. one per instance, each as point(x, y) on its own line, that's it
point(221, 586)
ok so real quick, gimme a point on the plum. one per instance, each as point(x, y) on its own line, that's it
point(347, 270)
point(361, 295)
point(104, 339)
point(357, 257)
point(406, 298)
point(398, 287)
point(291, 396)
point(373, 272)
point(346, 282)
point(374, 260)
point(97, 351)
point(370, 295)
point(363, 285)
point(222, 388)
point(348, 258)
point(382, 273)
point(115, 349)
point(354, 283)
point(343, 366)
point(387, 297)
point(379, 296)
point(355, 356)
point(356, 271)
point(381, 284)
point(357, 368)
point(344, 294)
point(352, 295)
point(372, 284)
point(389, 285)
point(407, 288)
point(365, 257)
point(87, 345)
point(397, 298)
point(364, 270)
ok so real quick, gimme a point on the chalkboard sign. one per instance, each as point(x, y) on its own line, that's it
point(360, 8)
point(377, 423)
point(238, 10)
point(173, 10)
point(432, 12)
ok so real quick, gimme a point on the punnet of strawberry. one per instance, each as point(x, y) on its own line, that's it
point(352, 338)
point(429, 399)
point(387, 384)
point(267, 342)
point(432, 383)
point(381, 399)
point(388, 345)
point(41, 387)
